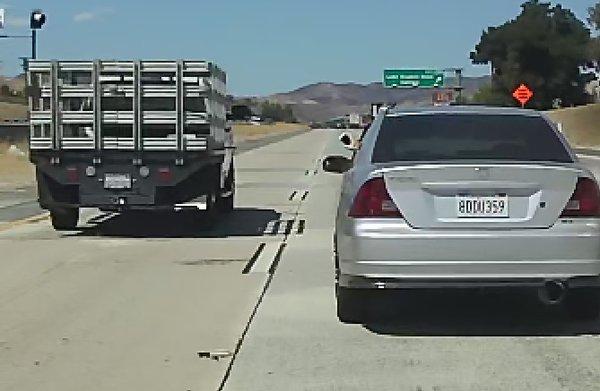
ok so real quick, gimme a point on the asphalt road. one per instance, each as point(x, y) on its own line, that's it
point(135, 302)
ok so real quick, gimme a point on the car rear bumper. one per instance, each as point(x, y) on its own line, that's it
point(361, 282)
point(387, 250)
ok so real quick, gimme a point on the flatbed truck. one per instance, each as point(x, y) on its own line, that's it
point(130, 135)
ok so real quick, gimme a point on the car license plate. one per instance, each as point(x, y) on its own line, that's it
point(471, 206)
point(117, 181)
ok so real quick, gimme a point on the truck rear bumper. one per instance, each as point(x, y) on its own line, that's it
point(77, 183)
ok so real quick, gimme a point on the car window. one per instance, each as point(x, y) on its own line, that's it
point(468, 136)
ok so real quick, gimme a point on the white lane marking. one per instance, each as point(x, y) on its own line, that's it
point(266, 258)
point(590, 157)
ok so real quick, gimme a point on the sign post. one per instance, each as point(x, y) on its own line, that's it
point(523, 94)
point(413, 78)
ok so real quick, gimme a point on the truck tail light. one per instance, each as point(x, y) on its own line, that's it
point(373, 200)
point(165, 174)
point(72, 174)
point(585, 201)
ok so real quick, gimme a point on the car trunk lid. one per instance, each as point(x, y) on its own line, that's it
point(531, 195)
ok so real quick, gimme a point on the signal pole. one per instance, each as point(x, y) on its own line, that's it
point(36, 21)
point(458, 87)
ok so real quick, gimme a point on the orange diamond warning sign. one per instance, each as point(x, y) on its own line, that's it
point(523, 94)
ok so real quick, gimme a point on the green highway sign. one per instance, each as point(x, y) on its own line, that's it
point(412, 78)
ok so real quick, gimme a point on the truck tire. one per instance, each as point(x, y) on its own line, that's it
point(351, 304)
point(64, 218)
point(226, 203)
point(583, 303)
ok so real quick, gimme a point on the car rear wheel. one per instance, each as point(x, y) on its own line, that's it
point(64, 218)
point(583, 303)
point(351, 305)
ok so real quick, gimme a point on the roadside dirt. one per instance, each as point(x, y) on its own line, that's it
point(15, 168)
point(244, 132)
point(581, 125)
point(12, 111)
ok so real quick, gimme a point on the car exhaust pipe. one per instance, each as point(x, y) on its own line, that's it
point(552, 292)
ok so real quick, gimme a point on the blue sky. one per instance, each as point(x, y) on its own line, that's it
point(267, 46)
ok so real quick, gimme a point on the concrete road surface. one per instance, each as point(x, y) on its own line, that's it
point(436, 341)
point(162, 303)
point(139, 302)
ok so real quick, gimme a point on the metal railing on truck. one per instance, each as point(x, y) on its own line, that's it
point(126, 105)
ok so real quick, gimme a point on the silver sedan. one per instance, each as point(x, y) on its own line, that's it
point(462, 197)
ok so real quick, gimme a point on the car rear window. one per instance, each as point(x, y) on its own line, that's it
point(431, 137)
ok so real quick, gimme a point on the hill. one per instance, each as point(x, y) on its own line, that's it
point(322, 101)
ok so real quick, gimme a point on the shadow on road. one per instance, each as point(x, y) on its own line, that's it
point(240, 222)
point(470, 313)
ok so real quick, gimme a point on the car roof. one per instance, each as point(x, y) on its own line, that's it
point(477, 110)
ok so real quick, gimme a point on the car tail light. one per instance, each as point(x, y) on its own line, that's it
point(373, 200)
point(585, 201)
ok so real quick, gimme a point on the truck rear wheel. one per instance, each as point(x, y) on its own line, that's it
point(64, 218)
point(226, 202)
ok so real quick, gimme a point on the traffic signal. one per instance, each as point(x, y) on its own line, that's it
point(37, 20)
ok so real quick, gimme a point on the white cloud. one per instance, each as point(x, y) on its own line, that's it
point(17, 21)
point(84, 16)
point(87, 16)
point(11, 19)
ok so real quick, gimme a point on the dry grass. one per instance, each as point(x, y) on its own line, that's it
point(15, 170)
point(581, 125)
point(243, 132)
point(12, 111)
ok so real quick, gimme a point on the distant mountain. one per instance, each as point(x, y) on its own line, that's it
point(322, 101)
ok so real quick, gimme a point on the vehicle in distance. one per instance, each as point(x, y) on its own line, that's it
point(460, 197)
point(129, 135)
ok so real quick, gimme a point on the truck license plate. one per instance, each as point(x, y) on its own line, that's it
point(117, 181)
point(471, 206)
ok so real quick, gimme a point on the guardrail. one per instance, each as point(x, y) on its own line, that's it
point(588, 151)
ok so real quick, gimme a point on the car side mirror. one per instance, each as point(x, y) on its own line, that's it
point(348, 141)
point(337, 164)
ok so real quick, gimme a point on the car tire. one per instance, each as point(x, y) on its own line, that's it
point(351, 305)
point(64, 218)
point(583, 303)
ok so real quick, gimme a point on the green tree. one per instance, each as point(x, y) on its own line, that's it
point(4, 90)
point(543, 47)
point(594, 20)
point(487, 95)
point(594, 16)
point(277, 112)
